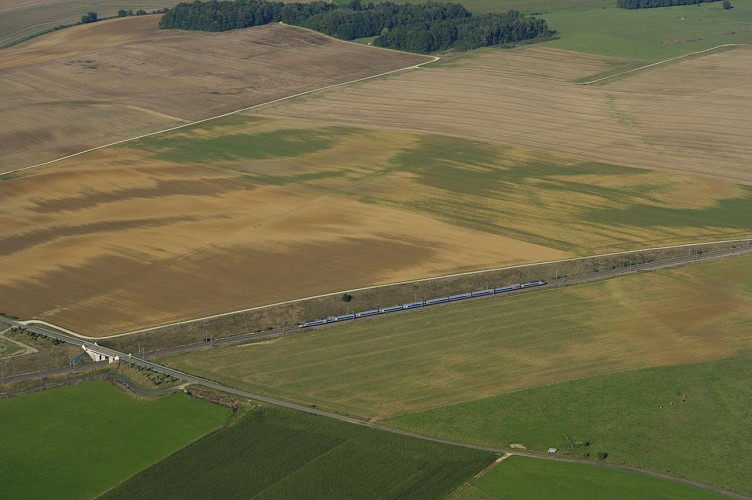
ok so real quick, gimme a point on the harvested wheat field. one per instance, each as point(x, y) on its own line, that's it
point(245, 211)
point(691, 116)
point(117, 79)
point(135, 241)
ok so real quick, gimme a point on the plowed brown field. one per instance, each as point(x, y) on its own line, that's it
point(94, 84)
point(690, 116)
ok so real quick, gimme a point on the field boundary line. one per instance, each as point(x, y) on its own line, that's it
point(372, 287)
point(665, 61)
point(247, 108)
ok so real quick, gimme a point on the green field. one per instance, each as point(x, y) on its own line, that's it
point(543, 199)
point(596, 26)
point(184, 147)
point(435, 357)
point(477, 174)
point(529, 479)
point(75, 442)
point(8, 348)
point(278, 454)
point(693, 421)
point(650, 34)
point(599, 27)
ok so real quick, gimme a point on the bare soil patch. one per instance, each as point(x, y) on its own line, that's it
point(692, 116)
point(118, 79)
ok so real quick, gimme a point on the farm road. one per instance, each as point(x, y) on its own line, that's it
point(665, 61)
point(191, 379)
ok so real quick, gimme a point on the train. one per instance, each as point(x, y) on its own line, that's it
point(421, 303)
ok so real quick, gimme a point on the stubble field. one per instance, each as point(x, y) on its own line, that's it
point(135, 241)
point(245, 212)
point(691, 116)
point(98, 83)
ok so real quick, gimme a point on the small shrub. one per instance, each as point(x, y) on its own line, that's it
point(89, 17)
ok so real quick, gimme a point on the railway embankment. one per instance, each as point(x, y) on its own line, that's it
point(277, 319)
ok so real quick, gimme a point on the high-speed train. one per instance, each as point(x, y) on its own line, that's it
point(421, 303)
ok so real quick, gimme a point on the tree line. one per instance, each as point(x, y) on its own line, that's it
point(92, 17)
point(139, 12)
point(466, 33)
point(649, 4)
point(414, 27)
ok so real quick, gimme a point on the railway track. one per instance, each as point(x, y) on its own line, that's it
point(690, 258)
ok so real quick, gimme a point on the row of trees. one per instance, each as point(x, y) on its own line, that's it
point(414, 27)
point(465, 33)
point(647, 4)
point(92, 17)
point(373, 20)
point(221, 15)
point(139, 12)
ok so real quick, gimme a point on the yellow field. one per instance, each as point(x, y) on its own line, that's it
point(248, 212)
point(692, 116)
point(119, 241)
